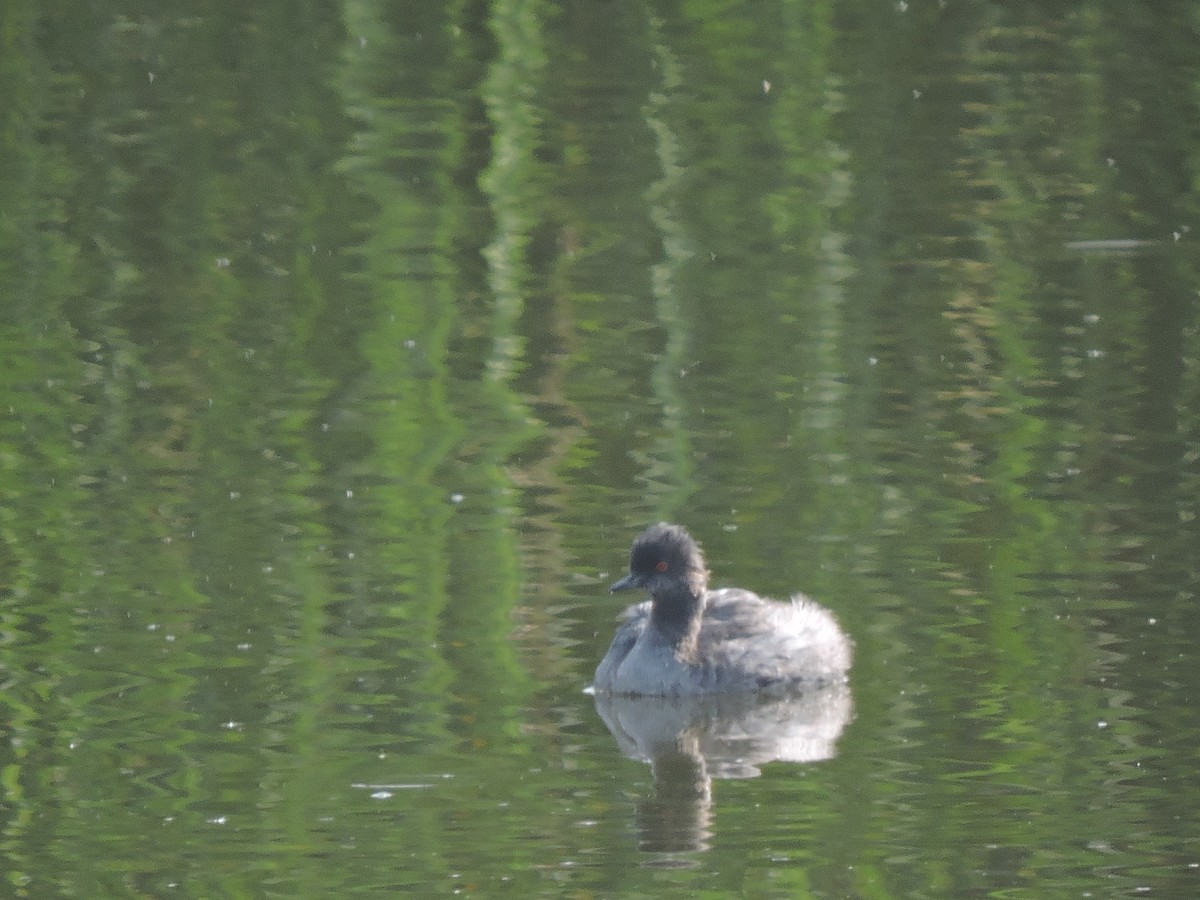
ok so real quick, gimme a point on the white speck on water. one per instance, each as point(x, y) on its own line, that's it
point(1101, 724)
point(456, 498)
point(235, 495)
point(410, 344)
point(243, 647)
point(1091, 318)
point(1095, 354)
point(153, 626)
point(872, 360)
point(349, 493)
point(223, 262)
point(218, 820)
point(382, 795)
point(766, 86)
point(232, 725)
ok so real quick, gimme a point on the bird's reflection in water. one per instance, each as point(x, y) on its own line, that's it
point(689, 741)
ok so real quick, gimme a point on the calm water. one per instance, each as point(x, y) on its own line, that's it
point(344, 349)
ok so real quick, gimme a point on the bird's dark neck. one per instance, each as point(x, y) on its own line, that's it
point(677, 615)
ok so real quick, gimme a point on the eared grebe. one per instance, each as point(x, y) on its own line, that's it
point(689, 640)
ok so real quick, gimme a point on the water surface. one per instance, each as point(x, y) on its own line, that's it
point(345, 349)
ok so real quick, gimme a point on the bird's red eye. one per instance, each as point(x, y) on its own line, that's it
point(660, 566)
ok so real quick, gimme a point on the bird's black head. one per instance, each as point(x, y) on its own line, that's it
point(664, 558)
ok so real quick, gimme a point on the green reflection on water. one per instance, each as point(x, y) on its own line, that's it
point(343, 350)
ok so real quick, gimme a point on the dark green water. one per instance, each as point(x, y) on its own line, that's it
point(344, 349)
